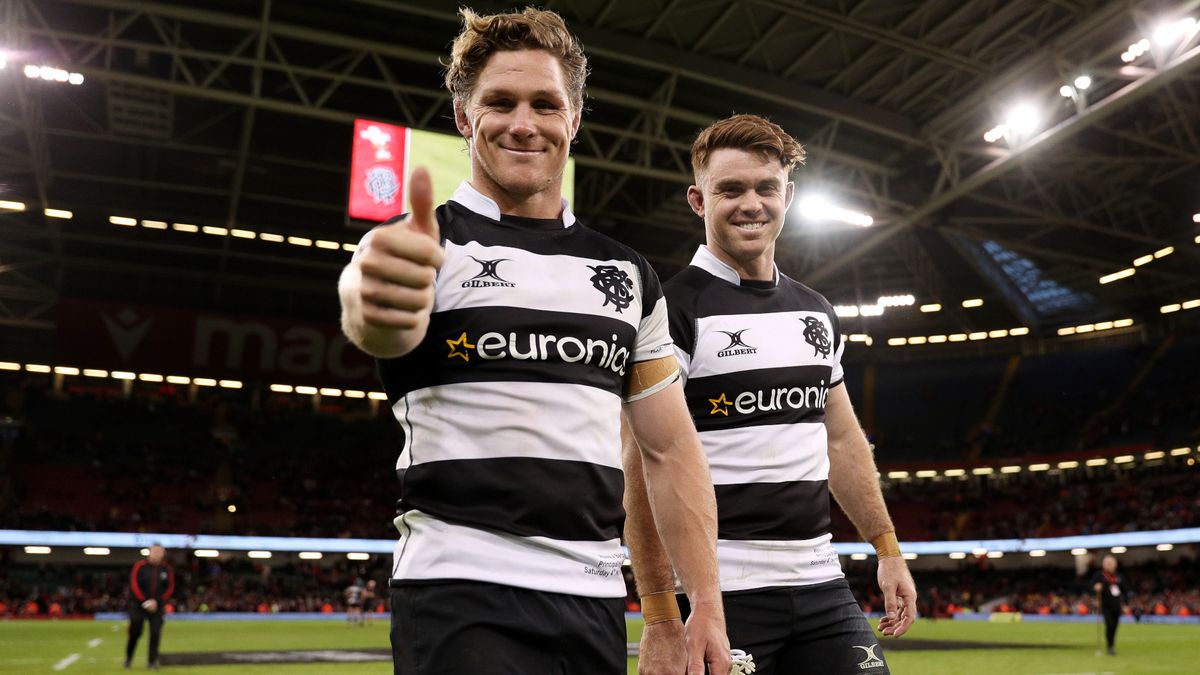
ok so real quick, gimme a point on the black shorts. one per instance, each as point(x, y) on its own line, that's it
point(476, 628)
point(802, 629)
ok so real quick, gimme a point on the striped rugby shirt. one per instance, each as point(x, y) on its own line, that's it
point(510, 407)
point(759, 360)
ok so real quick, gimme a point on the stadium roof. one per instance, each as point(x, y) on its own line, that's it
point(234, 114)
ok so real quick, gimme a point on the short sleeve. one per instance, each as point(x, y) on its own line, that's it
point(653, 336)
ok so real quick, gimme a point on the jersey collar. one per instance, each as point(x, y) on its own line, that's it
point(476, 201)
point(705, 260)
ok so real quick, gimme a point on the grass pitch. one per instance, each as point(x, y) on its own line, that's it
point(43, 646)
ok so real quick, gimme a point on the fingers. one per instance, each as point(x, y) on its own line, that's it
point(420, 191)
point(718, 659)
point(402, 241)
point(908, 612)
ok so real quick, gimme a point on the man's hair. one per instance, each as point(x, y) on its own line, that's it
point(530, 28)
point(750, 133)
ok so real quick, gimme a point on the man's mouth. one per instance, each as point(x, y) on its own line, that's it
point(750, 227)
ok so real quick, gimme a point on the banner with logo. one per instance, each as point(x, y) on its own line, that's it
point(383, 155)
point(168, 341)
point(378, 170)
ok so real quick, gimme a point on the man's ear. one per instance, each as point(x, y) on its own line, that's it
point(695, 199)
point(788, 194)
point(461, 120)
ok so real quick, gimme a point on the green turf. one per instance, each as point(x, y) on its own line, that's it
point(35, 647)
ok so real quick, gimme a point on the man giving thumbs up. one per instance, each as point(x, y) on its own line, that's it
point(510, 339)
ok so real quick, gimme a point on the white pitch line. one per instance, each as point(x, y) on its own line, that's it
point(66, 663)
point(94, 642)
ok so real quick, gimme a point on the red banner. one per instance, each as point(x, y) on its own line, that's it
point(378, 170)
point(166, 341)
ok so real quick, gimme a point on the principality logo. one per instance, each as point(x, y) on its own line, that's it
point(489, 276)
point(615, 284)
point(870, 660)
point(817, 335)
point(736, 344)
point(720, 405)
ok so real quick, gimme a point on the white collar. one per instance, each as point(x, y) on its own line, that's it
point(705, 260)
point(473, 199)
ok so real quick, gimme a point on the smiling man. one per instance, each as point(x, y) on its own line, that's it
point(761, 355)
point(510, 340)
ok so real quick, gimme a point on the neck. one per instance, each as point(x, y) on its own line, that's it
point(761, 268)
point(545, 203)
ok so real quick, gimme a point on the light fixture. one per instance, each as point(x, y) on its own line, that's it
point(1164, 547)
point(358, 556)
point(58, 213)
point(259, 555)
point(1079, 551)
point(1118, 549)
point(6, 205)
point(1022, 119)
point(957, 555)
point(1037, 553)
point(1167, 34)
point(897, 474)
point(206, 553)
point(858, 556)
point(846, 311)
point(232, 508)
point(310, 555)
point(1066, 91)
point(971, 303)
point(37, 550)
point(931, 307)
point(1083, 82)
point(96, 550)
point(817, 208)
point(1117, 276)
point(870, 310)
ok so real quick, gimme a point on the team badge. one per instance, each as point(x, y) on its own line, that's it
point(615, 284)
point(816, 335)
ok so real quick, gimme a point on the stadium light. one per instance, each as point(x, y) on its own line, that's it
point(870, 310)
point(259, 555)
point(1118, 549)
point(204, 382)
point(358, 556)
point(311, 555)
point(37, 368)
point(6, 205)
point(1153, 455)
point(377, 396)
point(330, 391)
point(1135, 50)
point(9, 365)
point(299, 241)
point(855, 337)
point(957, 555)
point(818, 208)
point(214, 230)
point(231, 384)
point(306, 390)
point(355, 393)
point(185, 227)
point(65, 370)
point(37, 550)
point(61, 214)
point(1164, 547)
point(971, 303)
point(896, 300)
point(955, 473)
point(329, 245)
point(94, 372)
point(282, 388)
point(232, 508)
point(243, 234)
point(995, 554)
point(1037, 553)
point(1138, 262)
point(979, 552)
point(351, 248)
point(1167, 34)
point(1066, 91)
point(1079, 551)
point(931, 307)
point(1099, 461)
point(917, 340)
point(897, 474)
point(983, 471)
point(978, 335)
point(1069, 464)
point(1196, 219)
point(926, 473)
point(858, 556)
point(125, 221)
point(1123, 459)
point(1083, 82)
point(1039, 467)
point(206, 553)
point(178, 379)
point(96, 550)
point(908, 555)
point(1180, 452)
point(144, 551)
point(1117, 276)
point(846, 311)
point(1020, 330)
point(1012, 468)
point(150, 377)
point(273, 238)
point(154, 224)
point(958, 337)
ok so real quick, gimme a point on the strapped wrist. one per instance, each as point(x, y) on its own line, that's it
point(659, 607)
point(886, 545)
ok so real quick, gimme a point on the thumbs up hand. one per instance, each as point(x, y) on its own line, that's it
point(387, 292)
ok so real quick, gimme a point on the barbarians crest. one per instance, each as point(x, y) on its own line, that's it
point(614, 283)
point(382, 184)
point(816, 335)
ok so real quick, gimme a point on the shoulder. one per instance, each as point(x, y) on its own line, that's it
point(803, 295)
point(687, 286)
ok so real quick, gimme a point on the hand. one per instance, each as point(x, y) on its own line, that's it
point(663, 650)
point(150, 605)
point(899, 596)
point(401, 263)
point(707, 642)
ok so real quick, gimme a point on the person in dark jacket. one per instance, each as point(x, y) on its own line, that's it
point(151, 583)
point(1111, 589)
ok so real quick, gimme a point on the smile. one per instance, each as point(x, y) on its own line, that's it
point(750, 227)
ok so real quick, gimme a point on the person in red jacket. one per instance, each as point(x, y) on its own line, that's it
point(151, 583)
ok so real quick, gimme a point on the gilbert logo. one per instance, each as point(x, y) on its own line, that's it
point(489, 276)
point(126, 331)
point(736, 344)
point(870, 660)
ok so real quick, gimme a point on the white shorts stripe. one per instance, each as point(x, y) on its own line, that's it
point(746, 565)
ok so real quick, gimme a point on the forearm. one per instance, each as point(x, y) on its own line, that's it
point(679, 490)
point(651, 565)
point(376, 340)
point(854, 483)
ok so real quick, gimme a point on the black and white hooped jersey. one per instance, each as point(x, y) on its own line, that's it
point(759, 360)
point(510, 408)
